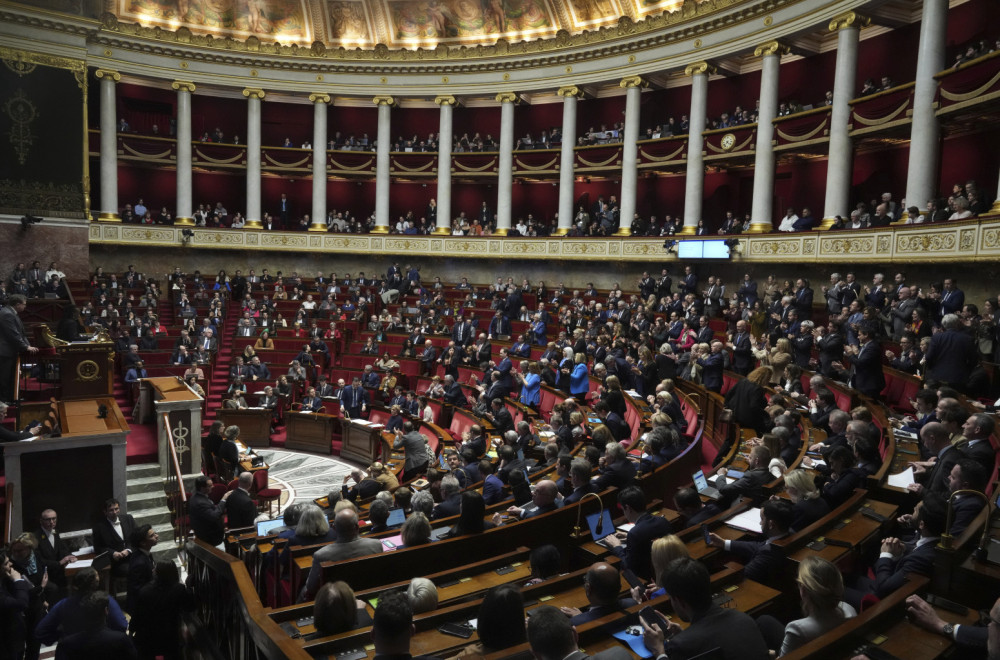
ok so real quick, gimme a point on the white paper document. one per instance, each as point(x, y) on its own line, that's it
point(86, 550)
point(748, 520)
point(82, 563)
point(901, 480)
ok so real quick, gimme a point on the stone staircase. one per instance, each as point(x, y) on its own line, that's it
point(147, 503)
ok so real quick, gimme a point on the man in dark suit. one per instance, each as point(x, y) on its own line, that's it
point(831, 348)
point(977, 431)
point(803, 298)
point(761, 559)
point(52, 550)
point(730, 632)
point(462, 332)
point(936, 441)
point(500, 416)
point(867, 376)
point(504, 367)
point(751, 483)
point(206, 516)
point(705, 332)
point(552, 637)
point(898, 560)
point(689, 284)
point(240, 508)
point(415, 447)
point(952, 355)
point(113, 534)
point(13, 342)
point(96, 640)
point(453, 393)
point(602, 585)
point(742, 351)
point(140, 564)
point(499, 326)
point(392, 627)
point(646, 528)
point(952, 298)
point(428, 358)
point(451, 499)
point(492, 485)
point(615, 468)
point(354, 399)
point(712, 366)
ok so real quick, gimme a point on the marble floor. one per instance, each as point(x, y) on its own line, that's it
point(303, 477)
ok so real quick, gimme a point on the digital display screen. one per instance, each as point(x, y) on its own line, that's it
point(702, 250)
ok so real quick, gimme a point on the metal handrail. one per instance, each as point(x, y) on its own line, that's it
point(176, 494)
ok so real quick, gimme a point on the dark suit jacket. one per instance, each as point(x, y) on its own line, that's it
point(503, 420)
point(965, 510)
point(983, 453)
point(618, 474)
point(831, 349)
point(742, 353)
point(240, 509)
point(951, 358)
point(352, 400)
point(761, 559)
point(206, 518)
point(492, 489)
point(891, 574)
point(636, 553)
point(140, 573)
point(98, 645)
point(937, 478)
point(868, 377)
point(749, 485)
point(748, 403)
point(809, 511)
point(412, 444)
point(733, 632)
point(449, 507)
point(711, 374)
point(50, 555)
point(106, 538)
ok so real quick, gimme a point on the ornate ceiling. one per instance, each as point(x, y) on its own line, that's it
point(395, 23)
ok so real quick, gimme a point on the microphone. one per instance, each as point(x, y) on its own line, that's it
point(577, 529)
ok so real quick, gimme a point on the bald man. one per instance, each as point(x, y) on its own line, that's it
point(543, 500)
point(602, 585)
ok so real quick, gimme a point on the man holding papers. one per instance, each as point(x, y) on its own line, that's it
point(760, 558)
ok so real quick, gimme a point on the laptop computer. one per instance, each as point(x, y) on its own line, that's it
point(264, 527)
point(701, 484)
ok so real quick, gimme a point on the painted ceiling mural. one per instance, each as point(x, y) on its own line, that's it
point(396, 23)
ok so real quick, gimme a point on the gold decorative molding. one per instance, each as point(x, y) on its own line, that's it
point(699, 67)
point(17, 58)
point(384, 100)
point(319, 97)
point(255, 93)
point(181, 221)
point(506, 97)
point(446, 100)
point(774, 47)
point(110, 74)
point(633, 81)
point(851, 19)
point(183, 86)
point(570, 90)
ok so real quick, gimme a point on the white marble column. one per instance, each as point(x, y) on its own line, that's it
point(109, 146)
point(841, 159)
point(762, 206)
point(505, 169)
point(254, 216)
point(995, 209)
point(184, 211)
point(925, 134)
point(630, 153)
point(382, 179)
point(567, 158)
point(320, 102)
point(695, 180)
point(445, 139)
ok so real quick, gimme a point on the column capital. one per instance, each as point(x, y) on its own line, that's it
point(254, 93)
point(183, 86)
point(633, 81)
point(699, 67)
point(319, 97)
point(446, 99)
point(570, 90)
point(384, 100)
point(506, 97)
point(849, 19)
point(771, 48)
point(110, 74)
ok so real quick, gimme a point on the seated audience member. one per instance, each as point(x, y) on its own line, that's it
point(416, 530)
point(392, 627)
point(663, 551)
point(336, 610)
point(897, 560)
point(422, 594)
point(808, 506)
point(646, 527)
point(821, 588)
point(544, 562)
point(970, 638)
point(347, 546)
point(751, 483)
point(553, 637)
point(451, 499)
point(689, 504)
point(761, 559)
point(543, 500)
point(602, 584)
point(500, 622)
point(616, 470)
point(365, 486)
point(733, 633)
point(844, 477)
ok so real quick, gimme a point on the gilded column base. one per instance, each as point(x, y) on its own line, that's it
point(442, 231)
point(318, 226)
point(624, 231)
point(760, 228)
point(825, 224)
point(995, 209)
point(688, 230)
point(108, 217)
point(180, 221)
point(501, 231)
point(380, 229)
point(253, 224)
point(561, 231)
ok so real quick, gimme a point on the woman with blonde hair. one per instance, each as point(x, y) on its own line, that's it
point(821, 588)
point(383, 476)
point(809, 506)
point(664, 550)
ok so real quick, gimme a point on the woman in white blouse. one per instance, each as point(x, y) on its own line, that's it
point(821, 588)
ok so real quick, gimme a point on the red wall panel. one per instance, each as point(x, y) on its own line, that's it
point(228, 115)
point(286, 120)
point(482, 120)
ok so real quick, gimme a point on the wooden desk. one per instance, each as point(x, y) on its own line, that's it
point(310, 432)
point(255, 425)
point(362, 442)
point(89, 446)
